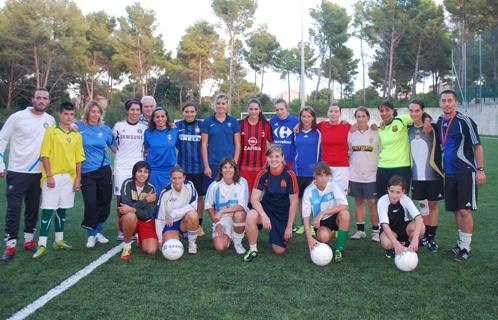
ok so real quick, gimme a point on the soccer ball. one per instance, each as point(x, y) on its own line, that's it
point(321, 254)
point(172, 249)
point(407, 261)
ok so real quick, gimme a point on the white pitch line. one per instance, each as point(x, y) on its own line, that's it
point(64, 285)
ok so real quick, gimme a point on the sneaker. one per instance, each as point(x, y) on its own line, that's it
point(200, 231)
point(90, 243)
point(423, 242)
point(359, 235)
point(432, 246)
point(375, 237)
point(239, 248)
point(454, 251)
point(8, 254)
point(192, 247)
point(125, 254)
point(338, 257)
point(41, 251)
point(390, 254)
point(30, 245)
point(462, 255)
point(101, 239)
point(120, 236)
point(61, 244)
point(250, 255)
point(300, 230)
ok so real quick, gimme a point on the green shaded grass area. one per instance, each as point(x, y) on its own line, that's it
point(220, 286)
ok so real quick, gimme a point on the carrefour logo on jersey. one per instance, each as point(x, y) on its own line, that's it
point(282, 132)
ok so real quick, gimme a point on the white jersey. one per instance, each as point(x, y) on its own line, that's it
point(391, 213)
point(316, 200)
point(174, 204)
point(221, 195)
point(130, 142)
point(24, 130)
point(364, 148)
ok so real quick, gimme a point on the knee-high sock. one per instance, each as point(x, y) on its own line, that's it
point(341, 239)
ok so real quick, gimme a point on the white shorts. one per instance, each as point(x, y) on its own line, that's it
point(117, 182)
point(227, 222)
point(340, 175)
point(60, 197)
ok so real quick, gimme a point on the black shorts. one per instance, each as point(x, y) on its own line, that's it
point(460, 191)
point(330, 222)
point(384, 174)
point(303, 183)
point(363, 190)
point(198, 180)
point(432, 190)
point(400, 231)
point(279, 222)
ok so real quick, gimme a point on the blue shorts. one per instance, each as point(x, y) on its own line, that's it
point(278, 225)
point(160, 180)
point(174, 227)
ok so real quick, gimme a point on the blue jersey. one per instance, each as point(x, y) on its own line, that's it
point(283, 134)
point(160, 147)
point(221, 140)
point(458, 138)
point(308, 152)
point(277, 186)
point(189, 146)
point(95, 141)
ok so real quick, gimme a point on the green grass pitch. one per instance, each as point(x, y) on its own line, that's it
point(220, 286)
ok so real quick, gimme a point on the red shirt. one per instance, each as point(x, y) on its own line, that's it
point(334, 144)
point(253, 144)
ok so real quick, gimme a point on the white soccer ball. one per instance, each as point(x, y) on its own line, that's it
point(172, 249)
point(321, 254)
point(407, 261)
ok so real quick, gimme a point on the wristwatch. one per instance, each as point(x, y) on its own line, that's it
point(480, 169)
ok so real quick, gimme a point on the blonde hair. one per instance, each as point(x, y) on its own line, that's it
point(88, 108)
point(274, 148)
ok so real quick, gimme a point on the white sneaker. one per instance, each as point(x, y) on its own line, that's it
point(120, 236)
point(359, 235)
point(101, 239)
point(192, 247)
point(375, 237)
point(90, 243)
point(239, 248)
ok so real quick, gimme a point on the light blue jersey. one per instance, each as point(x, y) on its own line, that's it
point(316, 200)
point(95, 141)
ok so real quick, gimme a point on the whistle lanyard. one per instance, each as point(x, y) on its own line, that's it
point(444, 135)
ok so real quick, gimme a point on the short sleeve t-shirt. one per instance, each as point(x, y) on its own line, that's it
point(277, 186)
point(96, 139)
point(316, 200)
point(364, 155)
point(221, 195)
point(189, 146)
point(283, 135)
point(161, 150)
point(395, 151)
point(221, 140)
point(130, 142)
point(253, 143)
point(335, 143)
point(308, 152)
point(396, 214)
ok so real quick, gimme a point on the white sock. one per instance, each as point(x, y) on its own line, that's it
point(459, 241)
point(237, 237)
point(465, 240)
point(192, 235)
point(42, 241)
point(127, 245)
point(59, 236)
point(11, 243)
point(253, 247)
point(28, 236)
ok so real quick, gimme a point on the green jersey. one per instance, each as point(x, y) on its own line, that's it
point(395, 151)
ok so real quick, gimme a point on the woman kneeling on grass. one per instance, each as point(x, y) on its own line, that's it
point(400, 221)
point(326, 202)
point(226, 202)
point(138, 201)
point(178, 210)
point(277, 210)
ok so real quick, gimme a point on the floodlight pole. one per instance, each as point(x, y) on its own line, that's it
point(301, 89)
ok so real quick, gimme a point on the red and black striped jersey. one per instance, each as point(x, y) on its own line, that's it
point(253, 141)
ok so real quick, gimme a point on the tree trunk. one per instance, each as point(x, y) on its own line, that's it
point(363, 73)
point(288, 87)
point(331, 96)
point(415, 73)
point(37, 65)
point(319, 80)
point(199, 80)
point(231, 75)
point(181, 96)
point(391, 62)
point(262, 77)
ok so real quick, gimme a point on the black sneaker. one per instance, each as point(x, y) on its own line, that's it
point(462, 255)
point(423, 242)
point(338, 258)
point(250, 255)
point(8, 255)
point(432, 246)
point(454, 251)
point(390, 254)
